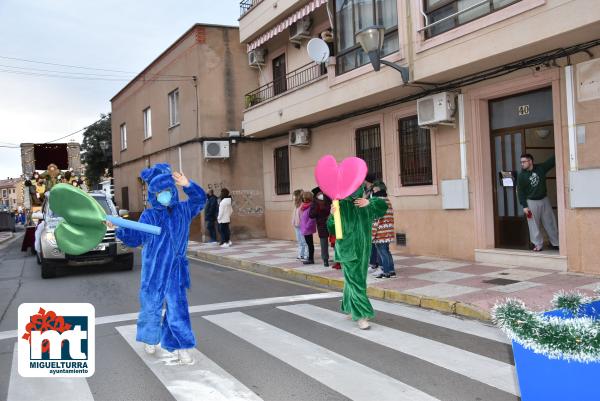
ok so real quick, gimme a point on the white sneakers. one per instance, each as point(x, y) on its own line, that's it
point(150, 349)
point(376, 272)
point(184, 357)
point(226, 245)
point(363, 324)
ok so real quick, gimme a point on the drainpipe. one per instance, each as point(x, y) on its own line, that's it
point(462, 136)
point(180, 165)
point(571, 121)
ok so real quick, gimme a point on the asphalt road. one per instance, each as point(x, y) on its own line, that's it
point(255, 341)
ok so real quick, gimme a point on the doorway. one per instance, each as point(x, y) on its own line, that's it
point(279, 80)
point(508, 141)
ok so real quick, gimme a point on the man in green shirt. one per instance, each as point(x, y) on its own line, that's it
point(533, 196)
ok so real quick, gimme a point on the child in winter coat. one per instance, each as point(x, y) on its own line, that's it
point(382, 235)
point(308, 226)
point(302, 247)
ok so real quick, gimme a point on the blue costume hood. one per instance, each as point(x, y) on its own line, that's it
point(159, 178)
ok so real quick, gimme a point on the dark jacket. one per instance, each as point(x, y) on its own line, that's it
point(320, 210)
point(212, 208)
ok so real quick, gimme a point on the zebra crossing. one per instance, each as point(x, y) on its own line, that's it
point(260, 332)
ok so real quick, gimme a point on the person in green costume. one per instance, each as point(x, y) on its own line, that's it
point(354, 250)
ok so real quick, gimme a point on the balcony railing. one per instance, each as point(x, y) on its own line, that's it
point(246, 5)
point(291, 80)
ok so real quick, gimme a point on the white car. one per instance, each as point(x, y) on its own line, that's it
point(109, 251)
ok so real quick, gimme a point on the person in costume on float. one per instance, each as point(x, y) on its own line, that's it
point(52, 176)
point(165, 273)
point(354, 250)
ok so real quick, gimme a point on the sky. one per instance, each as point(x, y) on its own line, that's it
point(120, 35)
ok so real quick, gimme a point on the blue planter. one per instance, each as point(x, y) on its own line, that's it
point(544, 379)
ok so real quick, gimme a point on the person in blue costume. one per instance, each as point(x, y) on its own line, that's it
point(165, 273)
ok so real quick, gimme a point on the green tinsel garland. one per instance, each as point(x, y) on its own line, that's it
point(576, 338)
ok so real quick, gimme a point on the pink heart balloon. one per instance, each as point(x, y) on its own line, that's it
point(339, 182)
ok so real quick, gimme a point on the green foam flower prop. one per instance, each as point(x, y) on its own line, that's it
point(82, 228)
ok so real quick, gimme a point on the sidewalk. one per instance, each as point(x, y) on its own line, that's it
point(461, 287)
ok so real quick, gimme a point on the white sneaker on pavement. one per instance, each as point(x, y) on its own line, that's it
point(184, 357)
point(150, 348)
point(230, 243)
point(363, 324)
point(376, 272)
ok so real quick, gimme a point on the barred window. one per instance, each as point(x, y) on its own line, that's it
point(415, 153)
point(368, 148)
point(282, 170)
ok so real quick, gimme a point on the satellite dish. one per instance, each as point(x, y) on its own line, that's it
point(318, 50)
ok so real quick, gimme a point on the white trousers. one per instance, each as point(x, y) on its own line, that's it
point(543, 215)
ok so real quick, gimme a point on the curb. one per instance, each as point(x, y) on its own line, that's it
point(426, 302)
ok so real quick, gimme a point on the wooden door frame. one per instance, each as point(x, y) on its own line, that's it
point(504, 131)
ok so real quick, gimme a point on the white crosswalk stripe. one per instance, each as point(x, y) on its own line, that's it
point(331, 369)
point(450, 322)
point(204, 380)
point(478, 367)
point(45, 389)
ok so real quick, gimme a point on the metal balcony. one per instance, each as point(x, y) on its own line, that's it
point(247, 5)
point(294, 79)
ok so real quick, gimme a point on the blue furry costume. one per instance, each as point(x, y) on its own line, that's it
point(165, 272)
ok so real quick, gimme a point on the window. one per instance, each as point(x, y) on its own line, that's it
point(174, 108)
point(123, 136)
point(368, 148)
point(282, 171)
point(147, 123)
point(4, 193)
point(415, 153)
point(452, 13)
point(353, 15)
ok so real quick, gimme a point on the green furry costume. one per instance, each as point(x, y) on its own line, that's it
point(354, 250)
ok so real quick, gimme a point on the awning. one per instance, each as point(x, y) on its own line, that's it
point(286, 23)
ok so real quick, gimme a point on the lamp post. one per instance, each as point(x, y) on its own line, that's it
point(371, 41)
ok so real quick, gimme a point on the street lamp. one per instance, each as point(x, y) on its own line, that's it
point(371, 41)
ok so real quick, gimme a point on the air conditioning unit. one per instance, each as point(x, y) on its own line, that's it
point(300, 30)
point(256, 57)
point(300, 137)
point(436, 109)
point(216, 149)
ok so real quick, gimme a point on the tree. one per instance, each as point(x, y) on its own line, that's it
point(96, 150)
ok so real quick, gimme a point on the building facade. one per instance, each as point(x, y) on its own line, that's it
point(11, 193)
point(192, 93)
point(518, 76)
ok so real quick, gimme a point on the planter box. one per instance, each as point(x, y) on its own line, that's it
point(544, 379)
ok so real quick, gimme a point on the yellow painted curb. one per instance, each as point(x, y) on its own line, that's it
point(336, 283)
point(376, 292)
point(396, 296)
point(442, 305)
point(472, 312)
point(318, 279)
